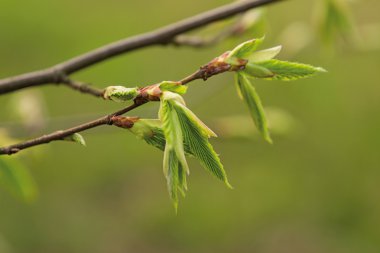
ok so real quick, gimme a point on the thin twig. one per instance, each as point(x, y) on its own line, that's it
point(214, 67)
point(83, 87)
point(60, 135)
point(57, 74)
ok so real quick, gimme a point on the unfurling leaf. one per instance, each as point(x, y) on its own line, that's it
point(17, 179)
point(171, 165)
point(264, 55)
point(182, 132)
point(252, 99)
point(172, 127)
point(120, 93)
point(150, 130)
point(77, 138)
point(245, 49)
point(175, 87)
point(197, 140)
point(281, 70)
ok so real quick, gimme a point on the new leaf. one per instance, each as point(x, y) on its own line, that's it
point(251, 98)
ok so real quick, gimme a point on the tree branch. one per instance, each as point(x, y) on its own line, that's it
point(58, 73)
point(214, 67)
point(83, 87)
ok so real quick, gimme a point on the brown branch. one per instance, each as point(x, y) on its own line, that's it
point(57, 74)
point(214, 67)
point(60, 135)
point(83, 87)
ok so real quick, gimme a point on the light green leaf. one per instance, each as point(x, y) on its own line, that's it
point(17, 179)
point(150, 130)
point(172, 127)
point(264, 55)
point(252, 99)
point(205, 130)
point(172, 178)
point(285, 71)
point(120, 93)
point(245, 49)
point(257, 71)
point(175, 87)
point(197, 140)
point(77, 138)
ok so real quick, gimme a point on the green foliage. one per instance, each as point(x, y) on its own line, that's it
point(245, 49)
point(281, 70)
point(120, 93)
point(150, 130)
point(251, 98)
point(197, 139)
point(248, 62)
point(264, 55)
point(17, 179)
point(77, 138)
point(178, 132)
point(175, 87)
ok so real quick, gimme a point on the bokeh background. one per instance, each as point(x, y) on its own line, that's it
point(315, 190)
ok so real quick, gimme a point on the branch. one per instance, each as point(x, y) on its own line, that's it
point(212, 68)
point(83, 87)
point(58, 74)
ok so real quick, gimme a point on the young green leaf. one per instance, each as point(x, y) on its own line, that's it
point(17, 179)
point(171, 163)
point(282, 70)
point(172, 127)
point(175, 87)
point(252, 99)
point(77, 138)
point(199, 145)
point(257, 71)
point(150, 130)
point(264, 55)
point(120, 93)
point(245, 49)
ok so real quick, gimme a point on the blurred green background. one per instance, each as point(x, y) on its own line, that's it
point(315, 190)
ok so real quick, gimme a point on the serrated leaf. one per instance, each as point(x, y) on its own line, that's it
point(252, 99)
point(120, 93)
point(199, 145)
point(264, 55)
point(173, 87)
point(171, 163)
point(245, 49)
point(150, 130)
point(171, 127)
point(17, 179)
point(205, 130)
point(288, 71)
point(77, 138)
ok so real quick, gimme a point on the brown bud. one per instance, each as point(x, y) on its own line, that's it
point(124, 122)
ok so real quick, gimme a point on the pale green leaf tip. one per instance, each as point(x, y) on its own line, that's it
point(268, 139)
point(228, 184)
point(175, 205)
point(320, 69)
